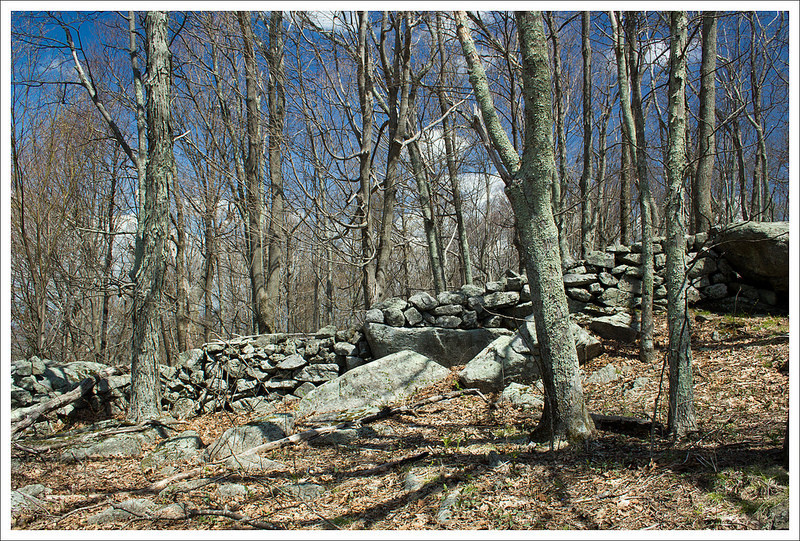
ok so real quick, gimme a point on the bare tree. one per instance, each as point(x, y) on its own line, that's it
point(681, 395)
point(528, 189)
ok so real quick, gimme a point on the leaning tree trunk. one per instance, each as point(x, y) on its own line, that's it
point(528, 188)
point(703, 215)
point(151, 243)
point(681, 396)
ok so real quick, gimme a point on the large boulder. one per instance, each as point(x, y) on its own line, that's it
point(619, 326)
point(509, 360)
point(504, 361)
point(448, 347)
point(373, 385)
point(239, 439)
point(759, 251)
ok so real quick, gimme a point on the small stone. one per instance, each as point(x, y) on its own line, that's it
point(413, 317)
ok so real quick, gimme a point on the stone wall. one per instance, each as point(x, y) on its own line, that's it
point(244, 373)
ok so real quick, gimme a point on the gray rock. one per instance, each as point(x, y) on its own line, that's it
point(505, 360)
point(500, 299)
point(700, 267)
point(329, 331)
point(717, 291)
point(394, 317)
point(413, 317)
point(351, 362)
point(183, 408)
point(526, 396)
point(617, 327)
point(448, 322)
point(607, 279)
point(292, 362)
point(374, 316)
point(578, 280)
point(448, 310)
point(239, 439)
point(631, 258)
point(600, 259)
point(254, 463)
point(318, 373)
point(303, 491)
point(759, 251)
point(630, 284)
point(161, 461)
point(344, 348)
point(423, 301)
point(378, 383)
point(257, 404)
point(231, 492)
point(471, 290)
point(394, 303)
point(579, 294)
point(607, 374)
point(451, 297)
point(447, 347)
point(124, 511)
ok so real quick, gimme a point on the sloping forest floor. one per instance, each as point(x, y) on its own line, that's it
point(479, 471)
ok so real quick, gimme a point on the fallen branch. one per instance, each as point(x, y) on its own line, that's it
point(61, 400)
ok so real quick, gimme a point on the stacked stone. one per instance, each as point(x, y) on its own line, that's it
point(609, 281)
point(498, 304)
point(36, 380)
point(265, 367)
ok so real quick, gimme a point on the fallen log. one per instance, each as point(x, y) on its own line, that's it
point(632, 426)
point(60, 401)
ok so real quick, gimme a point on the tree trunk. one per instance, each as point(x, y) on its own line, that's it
point(151, 244)
point(560, 174)
point(276, 234)
point(182, 318)
point(254, 187)
point(528, 189)
point(703, 215)
point(363, 216)
point(587, 240)
point(398, 84)
point(450, 156)
point(681, 396)
point(647, 352)
point(625, 173)
point(428, 217)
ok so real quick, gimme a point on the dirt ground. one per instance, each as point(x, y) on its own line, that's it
point(481, 473)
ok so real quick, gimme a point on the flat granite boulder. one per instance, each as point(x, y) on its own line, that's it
point(448, 347)
point(374, 384)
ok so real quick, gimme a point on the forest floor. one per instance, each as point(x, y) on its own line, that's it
point(481, 473)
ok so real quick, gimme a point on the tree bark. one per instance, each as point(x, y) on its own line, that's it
point(256, 215)
point(587, 240)
point(276, 234)
point(703, 214)
point(528, 189)
point(151, 244)
point(559, 175)
point(681, 420)
point(647, 350)
point(450, 156)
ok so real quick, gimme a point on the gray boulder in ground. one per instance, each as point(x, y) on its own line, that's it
point(162, 461)
point(448, 347)
point(759, 251)
point(378, 383)
point(125, 511)
point(239, 439)
point(527, 396)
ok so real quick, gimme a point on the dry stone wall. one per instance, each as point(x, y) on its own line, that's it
point(250, 372)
